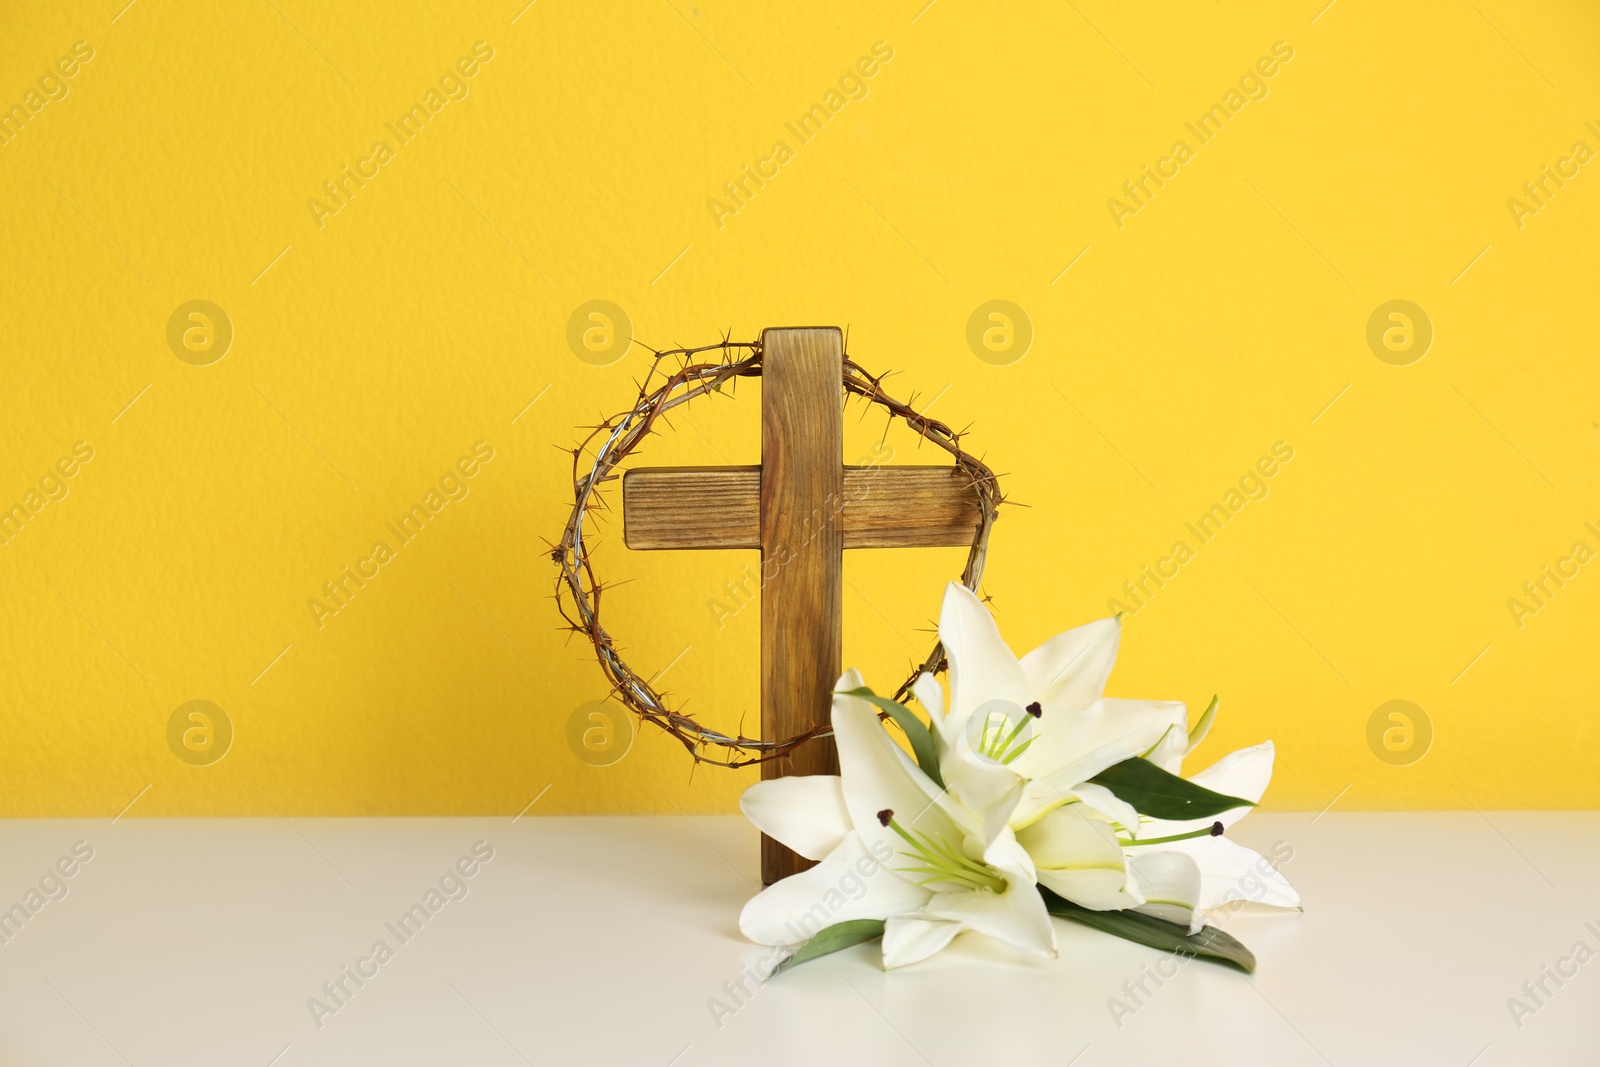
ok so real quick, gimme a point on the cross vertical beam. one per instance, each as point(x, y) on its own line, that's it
point(802, 507)
point(802, 552)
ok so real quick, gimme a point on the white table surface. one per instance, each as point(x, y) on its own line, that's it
point(601, 940)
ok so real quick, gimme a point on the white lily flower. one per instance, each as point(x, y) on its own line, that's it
point(1077, 731)
point(894, 846)
point(1228, 870)
point(1084, 841)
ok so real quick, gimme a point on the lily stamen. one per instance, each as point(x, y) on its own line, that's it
point(940, 862)
point(998, 752)
point(996, 745)
point(1214, 830)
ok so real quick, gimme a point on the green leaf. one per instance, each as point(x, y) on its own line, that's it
point(1161, 795)
point(834, 938)
point(1210, 943)
point(915, 730)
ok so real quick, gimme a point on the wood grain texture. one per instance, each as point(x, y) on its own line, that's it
point(802, 508)
point(720, 507)
point(802, 559)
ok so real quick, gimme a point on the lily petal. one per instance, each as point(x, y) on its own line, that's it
point(981, 784)
point(1168, 752)
point(1080, 858)
point(793, 909)
point(805, 812)
point(1068, 838)
point(1103, 801)
point(1243, 774)
point(878, 776)
point(1017, 916)
point(1070, 669)
point(1006, 855)
point(1203, 727)
point(1230, 872)
point(930, 694)
point(982, 665)
point(1074, 746)
point(1170, 882)
point(913, 938)
point(1098, 889)
point(988, 788)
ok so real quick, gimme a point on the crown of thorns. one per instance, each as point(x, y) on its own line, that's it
point(677, 376)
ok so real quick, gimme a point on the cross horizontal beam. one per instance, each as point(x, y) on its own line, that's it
point(720, 507)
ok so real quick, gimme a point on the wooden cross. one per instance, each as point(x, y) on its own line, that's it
point(801, 507)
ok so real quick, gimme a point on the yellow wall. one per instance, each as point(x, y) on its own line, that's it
point(375, 345)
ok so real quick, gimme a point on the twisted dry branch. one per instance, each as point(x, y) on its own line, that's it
point(700, 371)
